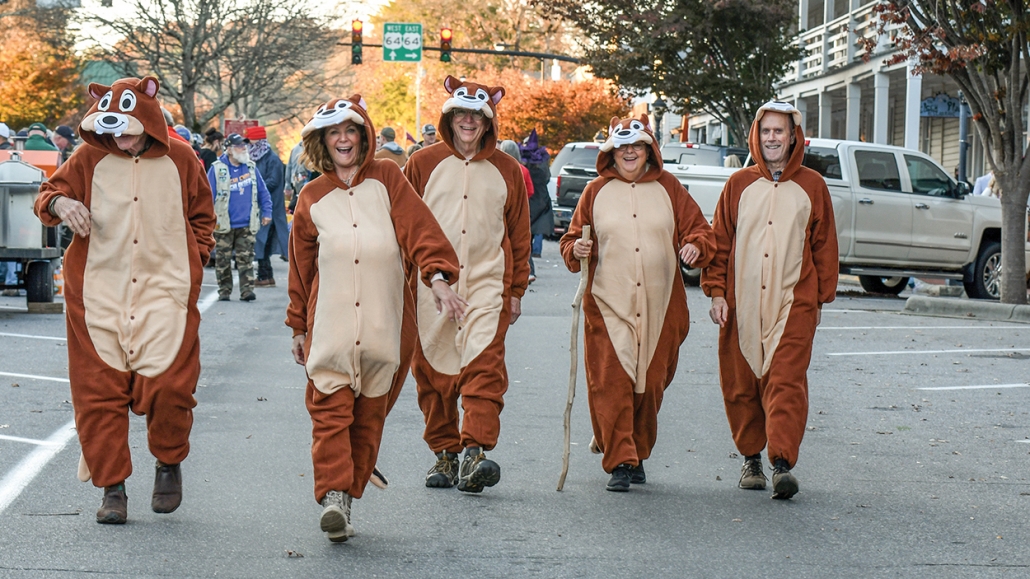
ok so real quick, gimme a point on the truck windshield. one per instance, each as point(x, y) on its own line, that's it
point(823, 160)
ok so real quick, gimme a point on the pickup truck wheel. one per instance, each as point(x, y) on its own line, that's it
point(39, 282)
point(883, 285)
point(986, 284)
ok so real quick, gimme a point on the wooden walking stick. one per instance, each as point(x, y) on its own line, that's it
point(584, 272)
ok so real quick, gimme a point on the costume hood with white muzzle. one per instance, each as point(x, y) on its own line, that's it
point(796, 153)
point(475, 97)
point(127, 107)
point(337, 111)
point(625, 132)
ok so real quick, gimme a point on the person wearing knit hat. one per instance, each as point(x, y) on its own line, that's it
point(391, 150)
point(273, 237)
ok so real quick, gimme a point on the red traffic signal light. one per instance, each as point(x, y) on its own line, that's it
point(355, 41)
point(445, 44)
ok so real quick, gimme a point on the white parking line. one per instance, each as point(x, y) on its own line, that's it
point(1024, 441)
point(981, 327)
point(31, 337)
point(977, 387)
point(15, 481)
point(898, 352)
point(25, 440)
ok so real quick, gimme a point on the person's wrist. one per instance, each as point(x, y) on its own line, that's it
point(53, 203)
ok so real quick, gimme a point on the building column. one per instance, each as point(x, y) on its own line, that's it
point(803, 15)
point(913, 98)
point(881, 90)
point(825, 115)
point(854, 96)
point(802, 107)
point(725, 139)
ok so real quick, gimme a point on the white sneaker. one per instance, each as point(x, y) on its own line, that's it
point(335, 519)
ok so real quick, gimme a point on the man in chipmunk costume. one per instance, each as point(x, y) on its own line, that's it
point(478, 196)
point(141, 209)
point(775, 266)
point(635, 306)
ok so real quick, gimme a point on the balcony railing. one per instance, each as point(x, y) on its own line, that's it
point(837, 44)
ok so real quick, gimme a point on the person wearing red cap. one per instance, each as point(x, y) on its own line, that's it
point(273, 237)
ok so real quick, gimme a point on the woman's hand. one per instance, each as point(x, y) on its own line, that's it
point(581, 249)
point(689, 253)
point(298, 348)
point(448, 303)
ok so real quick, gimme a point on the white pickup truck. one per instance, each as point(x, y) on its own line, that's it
point(898, 214)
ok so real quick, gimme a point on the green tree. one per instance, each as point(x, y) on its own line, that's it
point(716, 56)
point(983, 46)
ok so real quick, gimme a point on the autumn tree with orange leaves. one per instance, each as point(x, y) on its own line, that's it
point(983, 46)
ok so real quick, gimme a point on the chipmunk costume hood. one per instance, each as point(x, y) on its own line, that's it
point(127, 107)
point(476, 97)
point(625, 132)
point(337, 111)
point(754, 139)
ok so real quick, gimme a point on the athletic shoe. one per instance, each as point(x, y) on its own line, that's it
point(114, 510)
point(248, 297)
point(751, 475)
point(167, 488)
point(335, 519)
point(444, 473)
point(270, 282)
point(620, 480)
point(636, 474)
point(784, 483)
point(477, 471)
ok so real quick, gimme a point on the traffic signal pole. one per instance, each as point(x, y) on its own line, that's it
point(540, 55)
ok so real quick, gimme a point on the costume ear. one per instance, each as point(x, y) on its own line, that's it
point(358, 100)
point(614, 123)
point(149, 86)
point(98, 90)
point(644, 119)
point(451, 84)
point(496, 93)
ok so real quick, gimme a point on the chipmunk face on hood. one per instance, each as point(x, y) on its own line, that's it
point(472, 96)
point(126, 108)
point(335, 112)
point(626, 132)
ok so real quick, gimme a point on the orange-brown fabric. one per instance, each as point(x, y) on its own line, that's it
point(102, 395)
point(623, 412)
point(772, 407)
point(441, 176)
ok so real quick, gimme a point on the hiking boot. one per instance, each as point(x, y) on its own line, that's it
point(265, 283)
point(248, 297)
point(620, 480)
point(636, 474)
point(335, 519)
point(784, 483)
point(115, 509)
point(167, 488)
point(223, 297)
point(477, 471)
point(444, 473)
point(378, 478)
point(751, 475)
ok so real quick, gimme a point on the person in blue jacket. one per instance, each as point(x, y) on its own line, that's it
point(242, 206)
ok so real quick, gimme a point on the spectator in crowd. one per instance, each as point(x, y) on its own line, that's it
point(980, 186)
point(297, 175)
point(37, 141)
point(391, 150)
point(541, 218)
point(171, 126)
point(411, 150)
point(512, 148)
point(272, 238)
point(232, 176)
point(65, 140)
point(212, 147)
point(428, 136)
point(5, 137)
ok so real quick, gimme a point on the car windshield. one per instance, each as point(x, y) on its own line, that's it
point(579, 156)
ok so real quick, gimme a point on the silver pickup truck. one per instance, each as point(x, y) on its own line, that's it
point(898, 214)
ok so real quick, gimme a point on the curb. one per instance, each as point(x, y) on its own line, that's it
point(965, 308)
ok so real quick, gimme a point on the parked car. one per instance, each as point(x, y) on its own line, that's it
point(582, 156)
point(700, 154)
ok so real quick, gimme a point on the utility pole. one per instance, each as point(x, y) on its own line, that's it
point(419, 73)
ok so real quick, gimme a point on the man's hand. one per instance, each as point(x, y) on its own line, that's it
point(266, 220)
point(448, 302)
point(74, 214)
point(516, 309)
point(720, 311)
point(580, 250)
point(298, 348)
point(689, 253)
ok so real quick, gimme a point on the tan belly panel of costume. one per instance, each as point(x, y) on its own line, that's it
point(468, 201)
point(771, 227)
point(636, 267)
point(356, 334)
point(137, 277)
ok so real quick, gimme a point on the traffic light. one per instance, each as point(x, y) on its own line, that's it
point(445, 44)
point(355, 41)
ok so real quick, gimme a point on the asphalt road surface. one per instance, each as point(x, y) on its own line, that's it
point(915, 463)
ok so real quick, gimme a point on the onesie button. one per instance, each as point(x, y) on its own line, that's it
point(632, 185)
point(132, 317)
point(763, 287)
point(135, 198)
point(131, 351)
point(137, 160)
point(638, 250)
point(466, 163)
point(461, 267)
point(463, 232)
point(775, 185)
point(133, 280)
point(638, 315)
point(355, 261)
point(358, 343)
point(135, 241)
point(351, 193)
point(634, 215)
point(465, 197)
point(357, 304)
point(355, 225)
point(770, 223)
point(767, 255)
point(638, 284)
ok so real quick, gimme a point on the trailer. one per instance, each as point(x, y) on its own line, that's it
point(23, 239)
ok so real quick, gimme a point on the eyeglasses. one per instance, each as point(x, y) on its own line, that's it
point(638, 147)
point(462, 113)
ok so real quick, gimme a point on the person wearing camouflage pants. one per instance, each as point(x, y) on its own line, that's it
point(241, 241)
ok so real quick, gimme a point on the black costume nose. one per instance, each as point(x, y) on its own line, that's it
point(623, 133)
point(109, 120)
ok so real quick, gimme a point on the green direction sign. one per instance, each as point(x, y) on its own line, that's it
point(402, 42)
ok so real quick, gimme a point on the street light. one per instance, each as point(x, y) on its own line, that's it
point(659, 108)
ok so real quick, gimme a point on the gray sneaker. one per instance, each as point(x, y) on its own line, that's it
point(751, 475)
point(335, 519)
point(477, 471)
point(785, 485)
point(444, 473)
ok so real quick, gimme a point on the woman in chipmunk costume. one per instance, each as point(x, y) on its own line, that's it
point(478, 195)
point(635, 308)
point(141, 209)
point(357, 229)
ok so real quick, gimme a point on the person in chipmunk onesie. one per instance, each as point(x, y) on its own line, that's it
point(635, 305)
point(775, 266)
point(357, 229)
point(478, 195)
point(141, 209)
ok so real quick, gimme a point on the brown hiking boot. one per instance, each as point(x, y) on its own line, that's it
point(785, 485)
point(167, 488)
point(265, 283)
point(444, 473)
point(115, 508)
point(751, 475)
